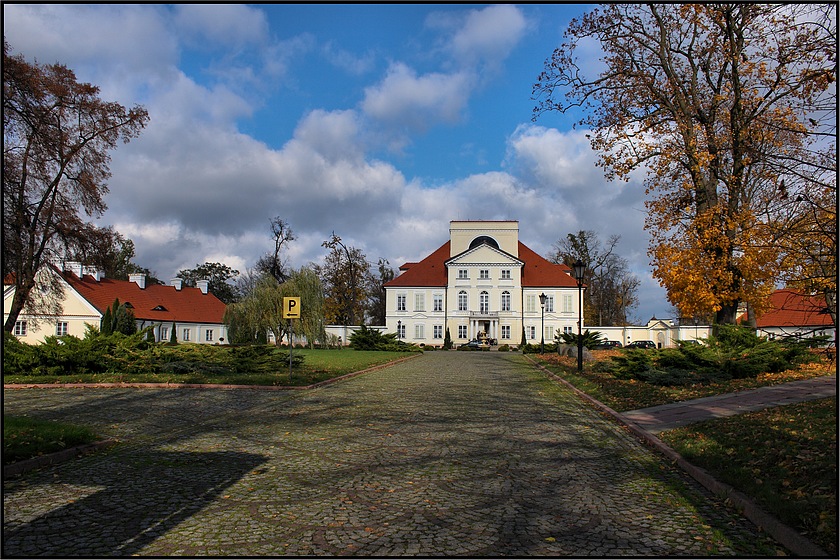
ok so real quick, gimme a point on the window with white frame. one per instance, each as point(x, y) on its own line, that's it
point(506, 301)
point(400, 302)
point(463, 302)
point(462, 331)
point(506, 274)
point(463, 274)
point(484, 274)
point(506, 332)
point(437, 301)
point(549, 304)
point(438, 331)
point(567, 303)
point(419, 330)
point(61, 328)
point(186, 335)
point(164, 333)
point(419, 301)
point(401, 331)
point(530, 303)
point(20, 328)
point(208, 335)
point(532, 333)
point(484, 302)
point(568, 330)
point(548, 333)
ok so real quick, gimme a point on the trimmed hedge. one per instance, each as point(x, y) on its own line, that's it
point(133, 354)
point(735, 352)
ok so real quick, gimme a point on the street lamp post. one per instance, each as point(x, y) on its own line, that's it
point(578, 269)
point(543, 297)
point(399, 330)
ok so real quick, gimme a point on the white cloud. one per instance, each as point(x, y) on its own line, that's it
point(488, 35)
point(403, 98)
point(221, 25)
point(346, 61)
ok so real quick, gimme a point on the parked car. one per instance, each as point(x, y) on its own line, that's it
point(688, 343)
point(644, 344)
point(474, 344)
point(608, 344)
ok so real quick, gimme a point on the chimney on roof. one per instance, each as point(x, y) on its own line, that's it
point(74, 267)
point(139, 279)
point(97, 274)
point(177, 283)
point(203, 285)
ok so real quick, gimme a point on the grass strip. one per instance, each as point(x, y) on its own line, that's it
point(318, 365)
point(784, 457)
point(631, 394)
point(25, 438)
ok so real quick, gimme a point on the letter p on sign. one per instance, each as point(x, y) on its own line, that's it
point(291, 308)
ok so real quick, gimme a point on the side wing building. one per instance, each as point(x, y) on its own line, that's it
point(195, 314)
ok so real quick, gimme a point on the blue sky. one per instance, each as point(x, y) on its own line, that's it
point(379, 122)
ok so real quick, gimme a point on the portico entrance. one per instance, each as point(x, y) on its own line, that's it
point(486, 324)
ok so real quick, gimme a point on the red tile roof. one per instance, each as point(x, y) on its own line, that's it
point(189, 305)
point(790, 308)
point(536, 273)
point(539, 272)
point(430, 272)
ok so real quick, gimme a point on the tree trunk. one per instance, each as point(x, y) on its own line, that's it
point(18, 302)
point(727, 314)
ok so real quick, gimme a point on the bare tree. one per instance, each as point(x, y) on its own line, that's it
point(346, 277)
point(273, 263)
point(57, 135)
point(611, 288)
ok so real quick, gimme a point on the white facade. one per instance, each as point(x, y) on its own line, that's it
point(665, 334)
point(483, 282)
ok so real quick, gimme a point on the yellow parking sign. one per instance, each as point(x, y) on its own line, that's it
point(291, 308)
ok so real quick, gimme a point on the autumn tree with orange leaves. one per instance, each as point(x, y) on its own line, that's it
point(731, 110)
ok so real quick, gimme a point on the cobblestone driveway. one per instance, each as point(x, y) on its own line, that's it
point(449, 454)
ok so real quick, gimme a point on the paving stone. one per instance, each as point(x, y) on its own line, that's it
point(455, 454)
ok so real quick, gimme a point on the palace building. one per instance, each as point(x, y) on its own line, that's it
point(482, 284)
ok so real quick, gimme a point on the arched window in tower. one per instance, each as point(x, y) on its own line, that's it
point(484, 239)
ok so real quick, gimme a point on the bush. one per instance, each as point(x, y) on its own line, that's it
point(734, 352)
point(372, 339)
point(118, 353)
point(504, 348)
point(549, 347)
point(590, 339)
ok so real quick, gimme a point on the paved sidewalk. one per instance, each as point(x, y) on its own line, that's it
point(668, 416)
point(453, 454)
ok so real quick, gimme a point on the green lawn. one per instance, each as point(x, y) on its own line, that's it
point(783, 457)
point(629, 394)
point(24, 438)
point(318, 365)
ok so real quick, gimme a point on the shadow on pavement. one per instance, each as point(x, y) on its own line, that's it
point(141, 497)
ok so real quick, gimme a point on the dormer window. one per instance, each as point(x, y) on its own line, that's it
point(158, 308)
point(128, 305)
